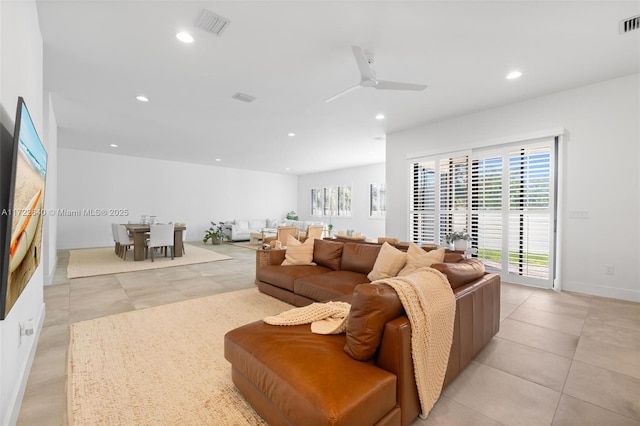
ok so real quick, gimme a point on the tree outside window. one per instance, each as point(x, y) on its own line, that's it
point(331, 201)
point(377, 200)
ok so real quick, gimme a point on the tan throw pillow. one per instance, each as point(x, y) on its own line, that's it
point(389, 262)
point(418, 258)
point(298, 253)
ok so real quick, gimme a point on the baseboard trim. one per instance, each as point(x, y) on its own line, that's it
point(602, 291)
point(19, 395)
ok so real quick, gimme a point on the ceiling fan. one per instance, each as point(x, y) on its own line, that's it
point(368, 77)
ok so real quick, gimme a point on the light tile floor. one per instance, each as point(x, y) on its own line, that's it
point(559, 358)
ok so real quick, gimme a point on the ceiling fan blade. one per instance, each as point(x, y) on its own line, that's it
point(344, 92)
point(394, 85)
point(366, 73)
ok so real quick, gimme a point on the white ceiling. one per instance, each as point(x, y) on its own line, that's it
point(292, 55)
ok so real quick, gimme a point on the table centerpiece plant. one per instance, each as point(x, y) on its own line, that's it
point(215, 233)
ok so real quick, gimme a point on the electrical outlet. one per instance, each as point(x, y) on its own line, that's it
point(609, 269)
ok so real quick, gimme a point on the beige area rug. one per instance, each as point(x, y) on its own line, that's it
point(248, 245)
point(101, 261)
point(163, 365)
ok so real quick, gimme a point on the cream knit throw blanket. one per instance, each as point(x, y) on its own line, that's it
point(428, 300)
point(325, 318)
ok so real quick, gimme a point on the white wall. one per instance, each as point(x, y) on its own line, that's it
point(600, 175)
point(359, 178)
point(20, 75)
point(173, 191)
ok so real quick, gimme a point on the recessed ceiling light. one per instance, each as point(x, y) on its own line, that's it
point(380, 117)
point(113, 145)
point(142, 98)
point(513, 75)
point(287, 169)
point(184, 37)
point(291, 134)
point(218, 159)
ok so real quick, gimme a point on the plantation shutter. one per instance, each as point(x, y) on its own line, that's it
point(454, 195)
point(422, 208)
point(486, 209)
point(503, 197)
point(530, 212)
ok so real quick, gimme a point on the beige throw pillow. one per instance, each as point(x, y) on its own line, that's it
point(418, 258)
point(298, 253)
point(389, 262)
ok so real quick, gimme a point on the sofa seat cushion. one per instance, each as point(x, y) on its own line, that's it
point(325, 287)
point(285, 276)
point(308, 377)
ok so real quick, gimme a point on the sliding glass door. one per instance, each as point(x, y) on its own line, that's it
point(503, 197)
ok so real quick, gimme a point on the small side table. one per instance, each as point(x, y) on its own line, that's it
point(255, 237)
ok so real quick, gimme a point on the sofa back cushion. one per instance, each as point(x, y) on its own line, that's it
point(372, 306)
point(327, 253)
point(257, 224)
point(359, 257)
point(461, 273)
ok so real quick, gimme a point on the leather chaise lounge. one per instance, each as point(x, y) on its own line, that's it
point(364, 377)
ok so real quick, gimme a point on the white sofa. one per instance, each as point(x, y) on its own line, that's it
point(241, 229)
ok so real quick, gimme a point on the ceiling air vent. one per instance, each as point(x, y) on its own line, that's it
point(211, 22)
point(244, 98)
point(630, 24)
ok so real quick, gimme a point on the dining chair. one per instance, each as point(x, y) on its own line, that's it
point(124, 241)
point(313, 231)
point(114, 233)
point(184, 235)
point(160, 236)
point(388, 240)
point(282, 234)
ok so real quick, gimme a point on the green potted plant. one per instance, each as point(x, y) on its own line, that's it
point(215, 233)
point(458, 240)
point(292, 215)
point(330, 228)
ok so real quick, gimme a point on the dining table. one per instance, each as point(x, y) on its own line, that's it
point(139, 231)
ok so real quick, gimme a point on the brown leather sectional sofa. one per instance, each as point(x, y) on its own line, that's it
point(364, 377)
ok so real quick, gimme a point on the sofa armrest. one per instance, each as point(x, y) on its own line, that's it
point(394, 355)
point(230, 229)
point(477, 321)
point(269, 257)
